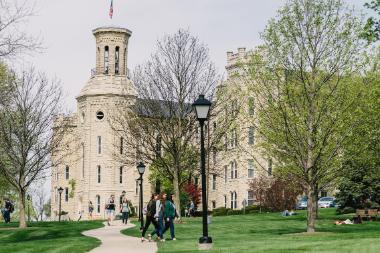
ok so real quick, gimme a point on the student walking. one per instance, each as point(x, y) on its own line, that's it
point(150, 219)
point(124, 209)
point(160, 213)
point(170, 215)
point(8, 209)
point(90, 209)
point(110, 209)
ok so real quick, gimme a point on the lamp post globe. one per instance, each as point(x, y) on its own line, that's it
point(141, 170)
point(60, 190)
point(202, 107)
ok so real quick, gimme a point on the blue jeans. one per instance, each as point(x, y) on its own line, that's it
point(7, 216)
point(169, 224)
point(160, 226)
point(125, 217)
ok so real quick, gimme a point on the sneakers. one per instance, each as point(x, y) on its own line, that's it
point(149, 238)
point(174, 239)
point(162, 240)
point(108, 223)
point(142, 239)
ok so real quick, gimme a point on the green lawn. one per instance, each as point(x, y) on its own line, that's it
point(273, 233)
point(64, 237)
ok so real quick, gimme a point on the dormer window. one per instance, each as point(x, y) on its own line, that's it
point(117, 60)
point(106, 59)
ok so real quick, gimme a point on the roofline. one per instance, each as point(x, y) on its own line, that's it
point(104, 29)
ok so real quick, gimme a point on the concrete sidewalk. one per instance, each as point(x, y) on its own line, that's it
point(115, 242)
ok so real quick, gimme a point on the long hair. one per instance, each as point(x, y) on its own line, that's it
point(162, 196)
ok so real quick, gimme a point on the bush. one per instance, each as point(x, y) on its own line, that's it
point(234, 212)
point(200, 213)
point(220, 211)
point(345, 210)
point(251, 209)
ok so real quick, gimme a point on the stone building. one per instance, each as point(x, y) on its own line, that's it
point(90, 172)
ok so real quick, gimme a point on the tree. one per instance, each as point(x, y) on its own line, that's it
point(47, 208)
point(307, 89)
point(14, 40)
point(161, 125)
point(26, 131)
point(372, 28)
point(360, 182)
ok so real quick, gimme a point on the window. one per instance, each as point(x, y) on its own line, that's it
point(225, 201)
point(251, 136)
point(251, 106)
point(99, 174)
point(233, 142)
point(213, 182)
point(232, 169)
point(121, 145)
point(137, 187)
point(66, 194)
point(97, 203)
point(213, 204)
point(214, 155)
point(233, 200)
point(99, 115)
point(250, 198)
point(270, 167)
point(225, 173)
point(250, 169)
point(117, 60)
point(67, 172)
point(106, 59)
point(235, 169)
point(121, 174)
point(99, 145)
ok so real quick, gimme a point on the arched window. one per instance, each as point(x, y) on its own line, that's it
point(235, 169)
point(97, 203)
point(67, 172)
point(106, 59)
point(117, 60)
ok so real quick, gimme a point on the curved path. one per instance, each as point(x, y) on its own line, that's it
point(115, 242)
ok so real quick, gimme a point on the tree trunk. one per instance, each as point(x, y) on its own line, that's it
point(177, 200)
point(311, 209)
point(22, 218)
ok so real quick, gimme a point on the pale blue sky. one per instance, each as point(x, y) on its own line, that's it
point(66, 25)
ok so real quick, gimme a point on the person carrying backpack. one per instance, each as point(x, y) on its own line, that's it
point(170, 214)
point(8, 209)
point(150, 219)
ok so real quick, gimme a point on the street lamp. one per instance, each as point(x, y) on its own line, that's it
point(202, 108)
point(141, 170)
point(60, 190)
point(28, 198)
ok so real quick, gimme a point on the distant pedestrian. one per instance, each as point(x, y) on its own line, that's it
point(191, 209)
point(90, 209)
point(150, 218)
point(110, 209)
point(160, 213)
point(8, 209)
point(170, 215)
point(124, 209)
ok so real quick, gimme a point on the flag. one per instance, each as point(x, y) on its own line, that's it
point(111, 9)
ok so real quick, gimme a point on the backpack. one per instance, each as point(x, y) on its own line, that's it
point(151, 208)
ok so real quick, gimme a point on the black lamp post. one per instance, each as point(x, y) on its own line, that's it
point(141, 170)
point(60, 190)
point(202, 107)
point(28, 198)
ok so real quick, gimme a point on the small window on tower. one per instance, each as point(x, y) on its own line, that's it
point(117, 60)
point(106, 60)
